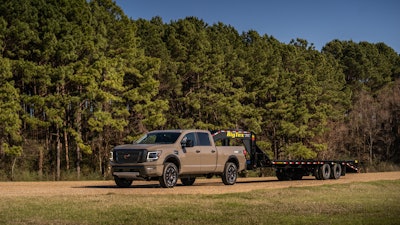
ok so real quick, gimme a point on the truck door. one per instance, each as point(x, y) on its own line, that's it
point(208, 153)
point(190, 157)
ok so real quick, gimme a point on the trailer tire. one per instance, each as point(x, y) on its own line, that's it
point(336, 171)
point(230, 173)
point(122, 182)
point(169, 177)
point(324, 172)
point(316, 173)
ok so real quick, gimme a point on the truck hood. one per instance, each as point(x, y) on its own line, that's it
point(148, 147)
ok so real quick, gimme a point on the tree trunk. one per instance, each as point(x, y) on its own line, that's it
point(12, 168)
point(370, 149)
point(58, 169)
point(79, 130)
point(40, 163)
point(66, 148)
point(275, 144)
point(78, 162)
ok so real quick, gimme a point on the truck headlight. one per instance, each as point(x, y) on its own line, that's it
point(153, 156)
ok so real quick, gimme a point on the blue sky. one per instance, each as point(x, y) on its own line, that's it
point(317, 21)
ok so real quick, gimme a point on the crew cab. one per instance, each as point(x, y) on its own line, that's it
point(168, 155)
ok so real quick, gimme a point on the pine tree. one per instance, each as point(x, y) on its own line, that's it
point(10, 122)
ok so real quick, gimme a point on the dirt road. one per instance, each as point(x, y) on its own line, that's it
point(201, 186)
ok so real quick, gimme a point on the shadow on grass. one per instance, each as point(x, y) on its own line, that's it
point(217, 182)
point(133, 186)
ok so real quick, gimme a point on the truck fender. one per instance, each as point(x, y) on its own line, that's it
point(173, 159)
point(233, 159)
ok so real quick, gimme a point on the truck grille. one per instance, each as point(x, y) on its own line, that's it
point(130, 155)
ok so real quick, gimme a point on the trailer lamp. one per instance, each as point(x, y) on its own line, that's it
point(153, 156)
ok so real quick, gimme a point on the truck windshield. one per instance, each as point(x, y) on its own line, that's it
point(159, 138)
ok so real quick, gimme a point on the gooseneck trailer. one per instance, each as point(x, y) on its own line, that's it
point(285, 169)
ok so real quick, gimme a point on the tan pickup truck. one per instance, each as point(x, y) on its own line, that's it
point(167, 155)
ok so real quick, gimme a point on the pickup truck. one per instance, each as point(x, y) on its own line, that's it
point(168, 155)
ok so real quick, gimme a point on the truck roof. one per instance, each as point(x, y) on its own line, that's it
point(179, 130)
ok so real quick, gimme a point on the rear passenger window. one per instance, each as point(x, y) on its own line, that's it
point(204, 139)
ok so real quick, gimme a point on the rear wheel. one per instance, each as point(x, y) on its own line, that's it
point(169, 176)
point(122, 182)
point(324, 172)
point(336, 171)
point(230, 174)
point(188, 181)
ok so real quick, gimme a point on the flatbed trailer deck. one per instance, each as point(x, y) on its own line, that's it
point(286, 169)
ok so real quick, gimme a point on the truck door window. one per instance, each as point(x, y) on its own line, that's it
point(204, 139)
point(191, 136)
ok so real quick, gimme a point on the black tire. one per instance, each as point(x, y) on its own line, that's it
point(336, 171)
point(324, 171)
point(169, 177)
point(122, 182)
point(230, 174)
point(188, 181)
point(316, 173)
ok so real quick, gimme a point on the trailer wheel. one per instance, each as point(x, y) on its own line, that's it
point(188, 181)
point(122, 182)
point(324, 172)
point(169, 176)
point(230, 174)
point(336, 171)
point(316, 173)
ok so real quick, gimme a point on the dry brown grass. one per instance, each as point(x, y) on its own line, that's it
point(376, 202)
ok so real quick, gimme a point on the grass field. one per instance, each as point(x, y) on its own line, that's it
point(354, 203)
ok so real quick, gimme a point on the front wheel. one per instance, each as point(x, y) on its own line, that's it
point(230, 174)
point(169, 176)
point(121, 182)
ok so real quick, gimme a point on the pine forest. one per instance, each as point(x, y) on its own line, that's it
point(78, 77)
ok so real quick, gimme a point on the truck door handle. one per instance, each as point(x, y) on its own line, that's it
point(197, 151)
point(213, 151)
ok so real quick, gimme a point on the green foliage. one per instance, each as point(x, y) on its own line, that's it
point(10, 123)
point(366, 65)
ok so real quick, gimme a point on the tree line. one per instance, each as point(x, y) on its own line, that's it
point(79, 77)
